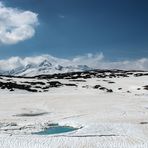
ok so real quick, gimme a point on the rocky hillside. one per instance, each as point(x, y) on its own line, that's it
point(43, 83)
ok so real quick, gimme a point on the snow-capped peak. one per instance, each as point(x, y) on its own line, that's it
point(45, 64)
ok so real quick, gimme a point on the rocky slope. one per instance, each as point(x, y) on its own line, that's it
point(43, 83)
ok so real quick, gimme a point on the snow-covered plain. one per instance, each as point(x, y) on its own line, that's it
point(117, 119)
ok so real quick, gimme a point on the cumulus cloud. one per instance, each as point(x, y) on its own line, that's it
point(88, 59)
point(97, 61)
point(16, 25)
point(139, 64)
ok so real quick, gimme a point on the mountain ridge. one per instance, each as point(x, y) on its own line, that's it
point(45, 66)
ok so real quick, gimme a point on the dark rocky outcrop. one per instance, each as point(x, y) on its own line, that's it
point(42, 83)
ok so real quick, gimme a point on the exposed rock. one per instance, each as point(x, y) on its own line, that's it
point(97, 86)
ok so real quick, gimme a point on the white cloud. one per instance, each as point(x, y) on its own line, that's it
point(88, 59)
point(94, 61)
point(61, 16)
point(16, 25)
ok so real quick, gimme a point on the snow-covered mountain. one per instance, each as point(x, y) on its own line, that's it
point(38, 65)
point(47, 64)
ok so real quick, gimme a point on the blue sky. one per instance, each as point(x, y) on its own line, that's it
point(66, 28)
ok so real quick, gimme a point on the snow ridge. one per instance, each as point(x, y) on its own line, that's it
point(32, 66)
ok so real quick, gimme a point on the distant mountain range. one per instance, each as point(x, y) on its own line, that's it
point(47, 64)
point(39, 65)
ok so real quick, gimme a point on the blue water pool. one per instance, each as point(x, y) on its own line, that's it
point(56, 129)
